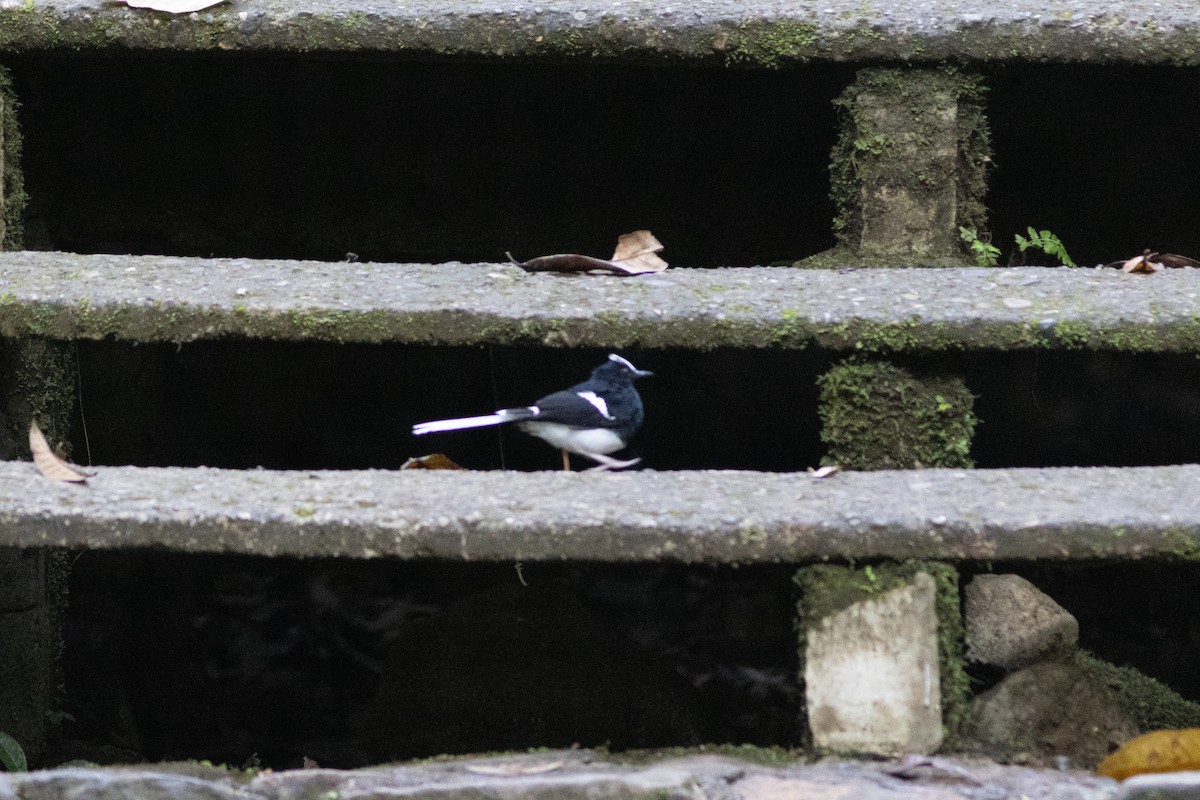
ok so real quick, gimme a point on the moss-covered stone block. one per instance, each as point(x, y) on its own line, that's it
point(908, 169)
point(876, 415)
point(826, 590)
point(1151, 704)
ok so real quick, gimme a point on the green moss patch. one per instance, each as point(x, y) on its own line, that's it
point(876, 415)
point(1152, 705)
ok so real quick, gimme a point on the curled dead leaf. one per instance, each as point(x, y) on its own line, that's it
point(49, 464)
point(1144, 264)
point(431, 461)
point(172, 6)
point(1158, 751)
point(636, 254)
point(1150, 262)
point(516, 768)
point(1174, 261)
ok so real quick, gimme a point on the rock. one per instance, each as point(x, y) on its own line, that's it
point(1048, 710)
point(871, 674)
point(1161, 786)
point(1011, 624)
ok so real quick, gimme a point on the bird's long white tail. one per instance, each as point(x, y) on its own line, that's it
point(459, 424)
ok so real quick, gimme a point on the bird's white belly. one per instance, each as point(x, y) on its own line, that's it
point(575, 440)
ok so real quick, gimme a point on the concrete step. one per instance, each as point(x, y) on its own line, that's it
point(718, 517)
point(575, 773)
point(173, 299)
point(755, 33)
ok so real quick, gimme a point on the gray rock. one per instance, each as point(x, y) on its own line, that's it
point(1011, 624)
point(1049, 710)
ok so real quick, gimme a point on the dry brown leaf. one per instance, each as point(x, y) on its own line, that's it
point(1173, 261)
point(1144, 263)
point(172, 6)
point(1159, 751)
point(636, 254)
point(639, 250)
point(431, 461)
point(47, 463)
point(1150, 262)
point(516, 768)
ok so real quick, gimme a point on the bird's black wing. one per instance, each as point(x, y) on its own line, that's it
point(574, 408)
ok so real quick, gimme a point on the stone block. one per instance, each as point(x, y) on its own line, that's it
point(871, 675)
point(1011, 624)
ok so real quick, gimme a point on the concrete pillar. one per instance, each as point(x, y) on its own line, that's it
point(908, 169)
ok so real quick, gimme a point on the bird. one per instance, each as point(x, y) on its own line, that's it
point(592, 419)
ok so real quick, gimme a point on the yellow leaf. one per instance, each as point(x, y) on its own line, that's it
point(1159, 751)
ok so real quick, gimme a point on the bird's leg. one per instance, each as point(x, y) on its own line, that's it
point(566, 461)
point(606, 463)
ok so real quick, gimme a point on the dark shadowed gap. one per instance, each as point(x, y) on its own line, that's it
point(397, 160)
point(354, 662)
point(242, 404)
point(1102, 156)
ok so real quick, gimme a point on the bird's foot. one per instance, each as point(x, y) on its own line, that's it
point(607, 463)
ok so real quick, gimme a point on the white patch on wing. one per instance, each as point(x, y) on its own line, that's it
point(598, 402)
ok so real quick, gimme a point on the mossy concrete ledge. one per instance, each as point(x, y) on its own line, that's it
point(714, 517)
point(172, 299)
point(757, 33)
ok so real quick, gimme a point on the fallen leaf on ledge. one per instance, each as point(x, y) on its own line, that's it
point(431, 461)
point(1150, 262)
point(636, 254)
point(47, 463)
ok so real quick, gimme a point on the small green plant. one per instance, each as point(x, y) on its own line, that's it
point(12, 756)
point(986, 254)
point(1048, 243)
point(872, 585)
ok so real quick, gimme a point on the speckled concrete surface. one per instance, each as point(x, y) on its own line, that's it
point(570, 774)
point(1067, 513)
point(153, 298)
point(759, 33)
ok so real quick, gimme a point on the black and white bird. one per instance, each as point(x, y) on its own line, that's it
point(592, 419)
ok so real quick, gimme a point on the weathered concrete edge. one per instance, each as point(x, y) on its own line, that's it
point(576, 773)
point(714, 517)
point(761, 34)
point(170, 299)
